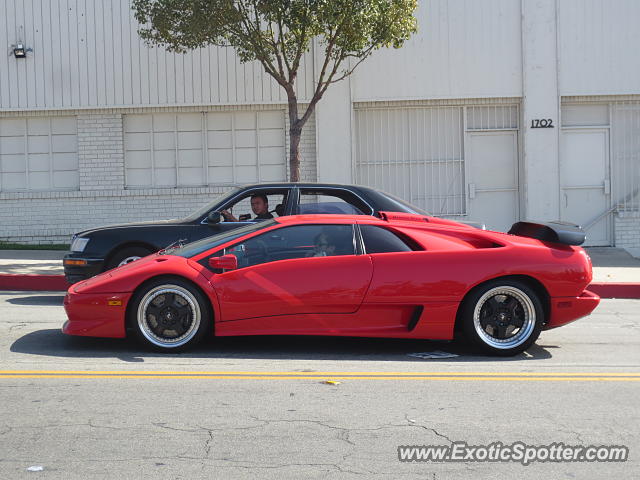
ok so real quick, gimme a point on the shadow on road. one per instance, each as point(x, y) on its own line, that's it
point(37, 300)
point(53, 343)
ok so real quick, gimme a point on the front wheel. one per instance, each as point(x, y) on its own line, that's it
point(169, 315)
point(502, 317)
point(127, 255)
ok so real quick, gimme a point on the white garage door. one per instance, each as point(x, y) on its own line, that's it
point(38, 153)
point(204, 148)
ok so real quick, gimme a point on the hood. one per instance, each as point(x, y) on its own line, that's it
point(150, 223)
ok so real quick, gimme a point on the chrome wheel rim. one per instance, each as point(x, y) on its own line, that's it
point(504, 317)
point(169, 316)
point(129, 260)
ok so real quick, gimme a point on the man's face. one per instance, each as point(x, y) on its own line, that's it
point(259, 206)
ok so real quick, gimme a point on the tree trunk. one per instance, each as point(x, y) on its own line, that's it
point(294, 153)
point(295, 132)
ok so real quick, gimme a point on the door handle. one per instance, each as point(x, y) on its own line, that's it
point(472, 190)
point(607, 186)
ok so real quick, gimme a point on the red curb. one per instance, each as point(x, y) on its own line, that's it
point(33, 282)
point(615, 290)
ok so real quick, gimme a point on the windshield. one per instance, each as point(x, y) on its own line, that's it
point(195, 248)
point(202, 211)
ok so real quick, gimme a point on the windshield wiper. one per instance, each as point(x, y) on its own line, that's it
point(177, 244)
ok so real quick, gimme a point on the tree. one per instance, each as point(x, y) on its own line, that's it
point(277, 33)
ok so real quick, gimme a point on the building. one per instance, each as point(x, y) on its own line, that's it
point(496, 110)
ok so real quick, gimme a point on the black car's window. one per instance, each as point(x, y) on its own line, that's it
point(313, 201)
point(381, 240)
point(195, 248)
point(385, 202)
point(202, 211)
point(300, 241)
point(240, 209)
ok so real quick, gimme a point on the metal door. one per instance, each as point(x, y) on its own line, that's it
point(492, 188)
point(585, 191)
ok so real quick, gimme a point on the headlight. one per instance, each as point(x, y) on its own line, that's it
point(78, 244)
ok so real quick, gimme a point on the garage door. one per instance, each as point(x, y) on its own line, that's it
point(204, 148)
point(38, 153)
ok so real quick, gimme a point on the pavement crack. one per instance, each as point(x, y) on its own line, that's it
point(108, 427)
point(412, 423)
point(208, 444)
point(167, 427)
point(343, 432)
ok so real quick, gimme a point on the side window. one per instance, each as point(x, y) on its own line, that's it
point(331, 201)
point(255, 206)
point(380, 240)
point(300, 241)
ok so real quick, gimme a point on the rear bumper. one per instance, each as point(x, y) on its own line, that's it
point(568, 309)
point(75, 273)
point(95, 315)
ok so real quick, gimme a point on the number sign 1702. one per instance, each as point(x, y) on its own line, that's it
point(542, 123)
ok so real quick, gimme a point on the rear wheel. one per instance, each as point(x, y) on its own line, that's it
point(169, 315)
point(127, 255)
point(502, 317)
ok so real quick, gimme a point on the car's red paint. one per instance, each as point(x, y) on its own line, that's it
point(292, 287)
point(372, 295)
point(229, 262)
point(96, 315)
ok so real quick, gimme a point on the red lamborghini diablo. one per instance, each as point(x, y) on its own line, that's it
point(401, 276)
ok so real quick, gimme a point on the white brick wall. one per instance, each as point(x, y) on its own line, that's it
point(38, 218)
point(52, 217)
point(627, 230)
point(100, 151)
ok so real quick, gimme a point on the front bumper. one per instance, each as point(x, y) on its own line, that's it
point(95, 315)
point(568, 309)
point(78, 267)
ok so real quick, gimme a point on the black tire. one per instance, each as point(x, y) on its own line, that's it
point(502, 317)
point(127, 255)
point(169, 314)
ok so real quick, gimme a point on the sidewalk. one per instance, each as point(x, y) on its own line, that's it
point(616, 274)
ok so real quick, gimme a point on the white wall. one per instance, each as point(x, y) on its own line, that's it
point(598, 47)
point(88, 54)
point(463, 49)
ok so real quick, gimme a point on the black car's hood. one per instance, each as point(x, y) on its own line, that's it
point(151, 223)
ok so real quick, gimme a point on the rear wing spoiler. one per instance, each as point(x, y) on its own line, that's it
point(557, 232)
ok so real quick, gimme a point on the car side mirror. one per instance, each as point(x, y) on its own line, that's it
point(214, 218)
point(225, 262)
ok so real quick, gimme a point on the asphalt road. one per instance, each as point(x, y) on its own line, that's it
point(260, 407)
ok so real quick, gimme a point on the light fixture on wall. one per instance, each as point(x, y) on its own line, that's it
point(19, 50)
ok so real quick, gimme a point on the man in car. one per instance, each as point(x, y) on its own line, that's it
point(259, 205)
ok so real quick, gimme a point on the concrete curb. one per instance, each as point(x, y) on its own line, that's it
point(57, 283)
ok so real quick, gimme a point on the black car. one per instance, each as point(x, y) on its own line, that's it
point(99, 249)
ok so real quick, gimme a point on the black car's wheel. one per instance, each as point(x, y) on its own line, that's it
point(502, 317)
point(127, 255)
point(169, 314)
